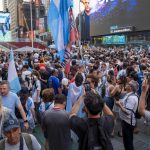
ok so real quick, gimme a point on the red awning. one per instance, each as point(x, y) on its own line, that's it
point(15, 45)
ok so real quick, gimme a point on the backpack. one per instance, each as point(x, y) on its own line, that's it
point(27, 139)
point(100, 142)
point(103, 90)
point(136, 113)
point(17, 112)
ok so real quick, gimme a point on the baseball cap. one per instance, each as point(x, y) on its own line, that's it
point(10, 123)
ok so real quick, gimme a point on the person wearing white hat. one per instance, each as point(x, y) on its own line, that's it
point(65, 82)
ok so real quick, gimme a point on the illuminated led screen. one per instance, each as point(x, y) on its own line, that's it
point(116, 39)
point(5, 33)
point(115, 14)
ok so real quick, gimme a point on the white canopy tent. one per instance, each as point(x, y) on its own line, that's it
point(2, 48)
point(53, 46)
point(27, 49)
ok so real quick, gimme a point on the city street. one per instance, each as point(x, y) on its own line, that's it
point(74, 67)
point(141, 140)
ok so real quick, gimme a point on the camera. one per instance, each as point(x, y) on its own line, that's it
point(87, 86)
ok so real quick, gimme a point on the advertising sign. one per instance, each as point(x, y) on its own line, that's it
point(41, 25)
point(5, 33)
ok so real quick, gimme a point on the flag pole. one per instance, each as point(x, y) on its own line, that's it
point(31, 22)
point(80, 28)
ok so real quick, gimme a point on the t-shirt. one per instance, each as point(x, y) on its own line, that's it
point(121, 73)
point(54, 81)
point(42, 65)
point(130, 101)
point(140, 78)
point(79, 126)
point(11, 101)
point(35, 144)
point(56, 125)
point(45, 106)
point(29, 105)
point(36, 87)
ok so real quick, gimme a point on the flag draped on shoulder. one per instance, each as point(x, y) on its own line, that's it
point(12, 75)
point(58, 22)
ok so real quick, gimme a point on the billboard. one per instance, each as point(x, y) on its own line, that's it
point(5, 33)
point(81, 10)
point(119, 16)
point(115, 39)
point(41, 25)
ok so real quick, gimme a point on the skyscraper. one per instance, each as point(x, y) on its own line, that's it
point(3, 5)
point(12, 7)
point(46, 5)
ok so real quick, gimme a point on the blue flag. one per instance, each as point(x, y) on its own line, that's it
point(58, 22)
point(5, 27)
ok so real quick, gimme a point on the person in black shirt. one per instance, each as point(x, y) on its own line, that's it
point(94, 106)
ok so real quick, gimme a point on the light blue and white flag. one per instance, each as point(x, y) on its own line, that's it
point(6, 26)
point(12, 75)
point(58, 22)
point(74, 94)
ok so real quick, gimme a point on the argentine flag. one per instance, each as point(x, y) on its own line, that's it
point(13, 79)
point(6, 26)
point(58, 22)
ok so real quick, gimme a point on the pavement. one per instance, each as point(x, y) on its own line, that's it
point(141, 140)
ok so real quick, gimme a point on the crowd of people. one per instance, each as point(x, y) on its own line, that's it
point(104, 87)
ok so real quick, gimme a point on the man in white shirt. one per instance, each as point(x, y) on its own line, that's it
point(127, 111)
